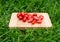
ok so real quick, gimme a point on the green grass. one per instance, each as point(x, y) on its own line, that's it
point(7, 7)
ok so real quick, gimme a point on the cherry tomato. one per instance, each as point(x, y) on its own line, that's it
point(34, 21)
point(39, 21)
point(20, 18)
point(41, 17)
point(26, 15)
point(24, 19)
point(30, 20)
point(18, 15)
point(30, 16)
point(34, 14)
point(35, 17)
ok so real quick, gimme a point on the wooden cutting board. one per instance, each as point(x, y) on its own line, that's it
point(14, 22)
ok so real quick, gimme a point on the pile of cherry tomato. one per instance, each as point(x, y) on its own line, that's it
point(30, 18)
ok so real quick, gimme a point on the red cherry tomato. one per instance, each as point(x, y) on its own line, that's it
point(21, 13)
point(30, 16)
point(20, 18)
point(30, 20)
point(18, 15)
point(41, 17)
point(35, 17)
point(39, 21)
point(24, 19)
point(34, 21)
point(26, 15)
point(34, 14)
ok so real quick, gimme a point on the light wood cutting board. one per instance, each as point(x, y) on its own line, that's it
point(14, 22)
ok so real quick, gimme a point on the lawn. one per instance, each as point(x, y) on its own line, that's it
point(7, 7)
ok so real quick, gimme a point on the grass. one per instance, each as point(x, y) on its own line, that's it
point(7, 7)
